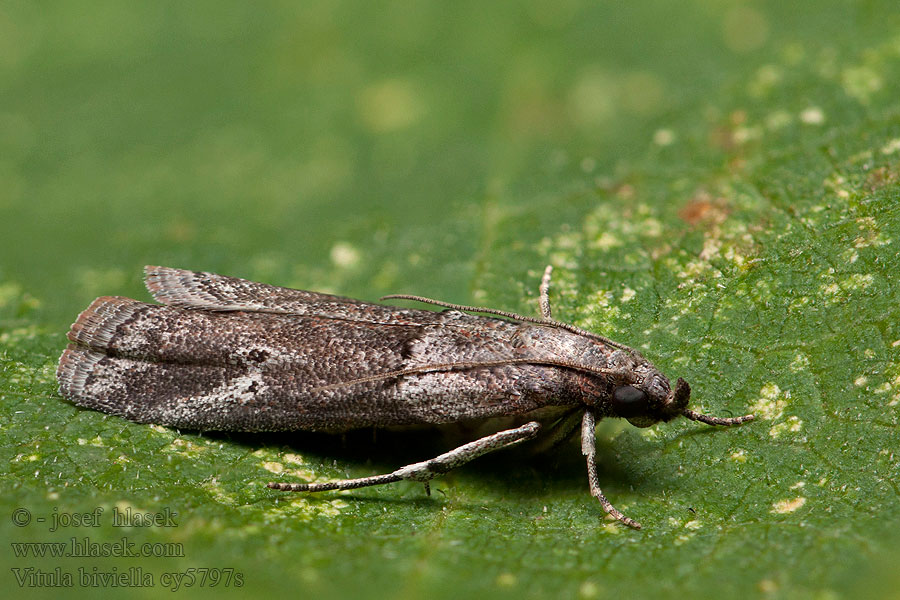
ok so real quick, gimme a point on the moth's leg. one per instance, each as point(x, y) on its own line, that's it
point(545, 292)
point(588, 448)
point(426, 470)
point(559, 432)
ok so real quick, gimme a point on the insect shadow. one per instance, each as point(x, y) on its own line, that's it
point(525, 471)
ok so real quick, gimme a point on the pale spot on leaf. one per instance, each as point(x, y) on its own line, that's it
point(588, 589)
point(788, 506)
point(663, 137)
point(344, 255)
point(792, 424)
point(390, 105)
point(891, 147)
point(771, 402)
point(813, 116)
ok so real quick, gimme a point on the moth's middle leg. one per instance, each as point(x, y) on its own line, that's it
point(429, 469)
point(545, 293)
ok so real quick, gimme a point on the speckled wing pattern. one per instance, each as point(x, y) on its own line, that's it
point(223, 353)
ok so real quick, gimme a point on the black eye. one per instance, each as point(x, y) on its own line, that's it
point(628, 401)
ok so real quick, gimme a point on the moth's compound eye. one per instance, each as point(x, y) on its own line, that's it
point(628, 401)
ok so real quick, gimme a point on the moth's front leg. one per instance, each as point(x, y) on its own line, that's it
point(588, 448)
point(429, 469)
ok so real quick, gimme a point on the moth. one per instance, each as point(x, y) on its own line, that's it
point(227, 354)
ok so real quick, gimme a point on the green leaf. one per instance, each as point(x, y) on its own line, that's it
point(715, 185)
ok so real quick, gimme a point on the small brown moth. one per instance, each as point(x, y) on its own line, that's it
point(228, 354)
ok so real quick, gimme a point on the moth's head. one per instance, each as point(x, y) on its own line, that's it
point(650, 399)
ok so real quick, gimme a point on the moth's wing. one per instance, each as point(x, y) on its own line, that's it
point(118, 363)
point(145, 391)
point(199, 289)
point(186, 395)
point(230, 370)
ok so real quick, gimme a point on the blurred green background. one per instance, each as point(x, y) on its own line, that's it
point(716, 183)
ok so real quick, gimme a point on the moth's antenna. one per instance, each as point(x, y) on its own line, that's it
point(510, 315)
point(710, 420)
point(545, 319)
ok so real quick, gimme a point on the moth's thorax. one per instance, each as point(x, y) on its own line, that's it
point(606, 369)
